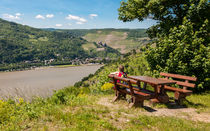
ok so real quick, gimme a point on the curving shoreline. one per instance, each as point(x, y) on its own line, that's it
point(44, 67)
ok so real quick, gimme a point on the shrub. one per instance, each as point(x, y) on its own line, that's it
point(107, 86)
point(62, 96)
point(184, 51)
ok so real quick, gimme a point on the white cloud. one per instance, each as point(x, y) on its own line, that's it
point(93, 15)
point(40, 17)
point(58, 25)
point(12, 17)
point(79, 23)
point(69, 24)
point(77, 18)
point(18, 14)
point(49, 15)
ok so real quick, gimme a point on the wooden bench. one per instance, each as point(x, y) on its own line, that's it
point(179, 93)
point(124, 86)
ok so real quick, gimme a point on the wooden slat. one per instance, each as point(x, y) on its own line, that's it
point(147, 91)
point(111, 81)
point(150, 80)
point(123, 79)
point(136, 91)
point(131, 88)
point(133, 81)
point(178, 76)
point(141, 93)
point(119, 78)
point(177, 89)
point(123, 85)
point(181, 83)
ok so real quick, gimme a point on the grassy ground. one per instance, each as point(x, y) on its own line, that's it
point(88, 46)
point(76, 109)
point(200, 102)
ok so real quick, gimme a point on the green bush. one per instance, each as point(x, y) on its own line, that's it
point(184, 51)
point(64, 95)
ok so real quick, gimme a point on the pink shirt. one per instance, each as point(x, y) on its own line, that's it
point(121, 74)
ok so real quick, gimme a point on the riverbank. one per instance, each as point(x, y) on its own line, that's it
point(45, 67)
point(41, 81)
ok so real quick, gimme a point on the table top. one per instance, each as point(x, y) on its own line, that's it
point(151, 80)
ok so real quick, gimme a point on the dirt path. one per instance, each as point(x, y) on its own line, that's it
point(184, 113)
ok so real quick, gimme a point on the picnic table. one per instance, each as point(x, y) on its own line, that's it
point(158, 85)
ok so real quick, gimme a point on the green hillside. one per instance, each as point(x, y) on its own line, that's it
point(118, 39)
point(122, 39)
point(24, 44)
point(20, 43)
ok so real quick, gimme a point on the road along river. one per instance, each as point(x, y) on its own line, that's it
point(42, 81)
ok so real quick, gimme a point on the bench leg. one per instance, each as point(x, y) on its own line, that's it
point(179, 97)
point(118, 96)
point(136, 102)
point(161, 96)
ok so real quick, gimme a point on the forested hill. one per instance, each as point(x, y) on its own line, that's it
point(19, 43)
point(124, 40)
point(132, 33)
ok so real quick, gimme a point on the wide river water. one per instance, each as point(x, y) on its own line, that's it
point(42, 81)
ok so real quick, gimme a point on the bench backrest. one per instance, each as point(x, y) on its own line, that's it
point(125, 80)
point(182, 83)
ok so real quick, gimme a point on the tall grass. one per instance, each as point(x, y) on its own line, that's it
point(77, 109)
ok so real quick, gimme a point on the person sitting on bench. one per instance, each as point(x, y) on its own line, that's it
point(120, 73)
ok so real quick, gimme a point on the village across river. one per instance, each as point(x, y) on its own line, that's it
point(42, 81)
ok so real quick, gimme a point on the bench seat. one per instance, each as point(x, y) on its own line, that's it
point(126, 87)
point(137, 93)
point(174, 89)
point(183, 82)
point(136, 90)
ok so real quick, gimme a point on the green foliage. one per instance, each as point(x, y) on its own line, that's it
point(22, 43)
point(107, 86)
point(184, 51)
point(14, 114)
point(168, 14)
point(24, 46)
point(19, 66)
point(68, 95)
point(182, 33)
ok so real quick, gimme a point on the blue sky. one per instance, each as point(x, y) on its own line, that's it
point(67, 14)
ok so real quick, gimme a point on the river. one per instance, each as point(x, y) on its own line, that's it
point(42, 81)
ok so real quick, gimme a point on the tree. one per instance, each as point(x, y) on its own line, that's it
point(183, 51)
point(167, 13)
point(182, 32)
